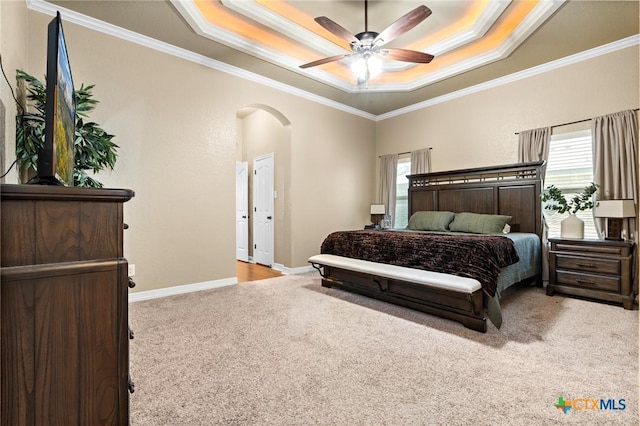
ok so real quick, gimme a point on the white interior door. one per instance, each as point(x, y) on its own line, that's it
point(263, 232)
point(242, 211)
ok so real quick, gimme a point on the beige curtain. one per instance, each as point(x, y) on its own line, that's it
point(615, 160)
point(388, 174)
point(533, 145)
point(421, 161)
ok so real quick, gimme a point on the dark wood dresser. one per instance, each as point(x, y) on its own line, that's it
point(598, 269)
point(64, 292)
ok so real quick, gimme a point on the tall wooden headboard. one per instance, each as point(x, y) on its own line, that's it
point(512, 190)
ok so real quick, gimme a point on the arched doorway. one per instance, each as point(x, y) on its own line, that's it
point(264, 132)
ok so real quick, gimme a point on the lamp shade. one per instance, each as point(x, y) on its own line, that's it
point(615, 208)
point(377, 209)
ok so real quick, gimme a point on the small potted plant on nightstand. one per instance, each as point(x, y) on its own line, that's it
point(572, 226)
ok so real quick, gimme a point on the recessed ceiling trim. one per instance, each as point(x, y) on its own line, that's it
point(284, 26)
point(204, 28)
point(480, 27)
point(542, 11)
point(315, 41)
point(398, 80)
point(265, 16)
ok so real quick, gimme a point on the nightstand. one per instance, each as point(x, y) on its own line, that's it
point(597, 269)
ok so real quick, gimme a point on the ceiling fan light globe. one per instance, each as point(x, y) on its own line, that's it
point(375, 66)
point(359, 68)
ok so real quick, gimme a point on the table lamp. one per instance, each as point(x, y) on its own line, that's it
point(377, 213)
point(615, 211)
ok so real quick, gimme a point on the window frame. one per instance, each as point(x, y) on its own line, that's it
point(563, 180)
point(404, 163)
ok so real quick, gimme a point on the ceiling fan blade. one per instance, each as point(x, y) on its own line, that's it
point(325, 60)
point(403, 24)
point(336, 29)
point(407, 55)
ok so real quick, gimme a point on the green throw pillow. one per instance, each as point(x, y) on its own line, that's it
point(479, 223)
point(430, 221)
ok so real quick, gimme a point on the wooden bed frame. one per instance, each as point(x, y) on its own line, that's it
point(512, 190)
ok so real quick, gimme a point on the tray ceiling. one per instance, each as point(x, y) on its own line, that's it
point(473, 41)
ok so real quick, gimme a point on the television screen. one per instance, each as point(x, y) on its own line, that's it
point(55, 161)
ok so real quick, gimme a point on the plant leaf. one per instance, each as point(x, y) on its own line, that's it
point(93, 147)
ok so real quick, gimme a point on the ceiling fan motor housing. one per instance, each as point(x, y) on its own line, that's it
point(366, 37)
point(365, 45)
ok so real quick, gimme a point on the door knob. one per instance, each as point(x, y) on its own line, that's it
point(269, 217)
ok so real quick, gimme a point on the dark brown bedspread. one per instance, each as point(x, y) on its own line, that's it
point(473, 256)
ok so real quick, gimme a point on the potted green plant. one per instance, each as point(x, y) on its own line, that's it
point(93, 147)
point(572, 226)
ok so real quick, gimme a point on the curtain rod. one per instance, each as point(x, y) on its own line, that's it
point(573, 122)
point(407, 152)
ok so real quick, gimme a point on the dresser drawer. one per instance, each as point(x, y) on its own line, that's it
point(596, 282)
point(588, 264)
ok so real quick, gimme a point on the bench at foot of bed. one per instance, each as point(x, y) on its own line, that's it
point(456, 298)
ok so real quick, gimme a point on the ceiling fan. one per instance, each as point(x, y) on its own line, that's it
point(368, 44)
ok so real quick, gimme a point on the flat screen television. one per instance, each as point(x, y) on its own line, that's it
point(55, 159)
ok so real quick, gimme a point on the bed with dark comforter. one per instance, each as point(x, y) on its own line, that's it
point(473, 256)
point(495, 260)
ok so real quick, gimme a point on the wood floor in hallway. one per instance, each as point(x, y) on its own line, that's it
point(252, 272)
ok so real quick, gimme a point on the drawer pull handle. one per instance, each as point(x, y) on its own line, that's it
point(587, 265)
point(579, 281)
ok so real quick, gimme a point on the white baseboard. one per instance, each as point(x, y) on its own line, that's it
point(189, 288)
point(180, 289)
point(292, 271)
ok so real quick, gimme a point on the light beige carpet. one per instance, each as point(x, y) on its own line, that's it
point(288, 351)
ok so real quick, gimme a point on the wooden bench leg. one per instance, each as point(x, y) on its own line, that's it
point(326, 283)
point(475, 324)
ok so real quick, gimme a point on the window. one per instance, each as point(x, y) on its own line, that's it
point(570, 168)
point(402, 193)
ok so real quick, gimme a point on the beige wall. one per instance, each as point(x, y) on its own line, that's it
point(332, 177)
point(175, 122)
point(479, 129)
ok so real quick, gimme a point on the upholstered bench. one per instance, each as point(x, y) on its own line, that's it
point(418, 276)
point(444, 295)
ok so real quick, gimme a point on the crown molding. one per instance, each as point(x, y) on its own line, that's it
point(151, 43)
point(94, 24)
point(264, 16)
point(485, 21)
point(549, 66)
point(532, 21)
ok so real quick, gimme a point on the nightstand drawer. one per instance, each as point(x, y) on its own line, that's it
point(595, 282)
point(595, 269)
point(588, 264)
